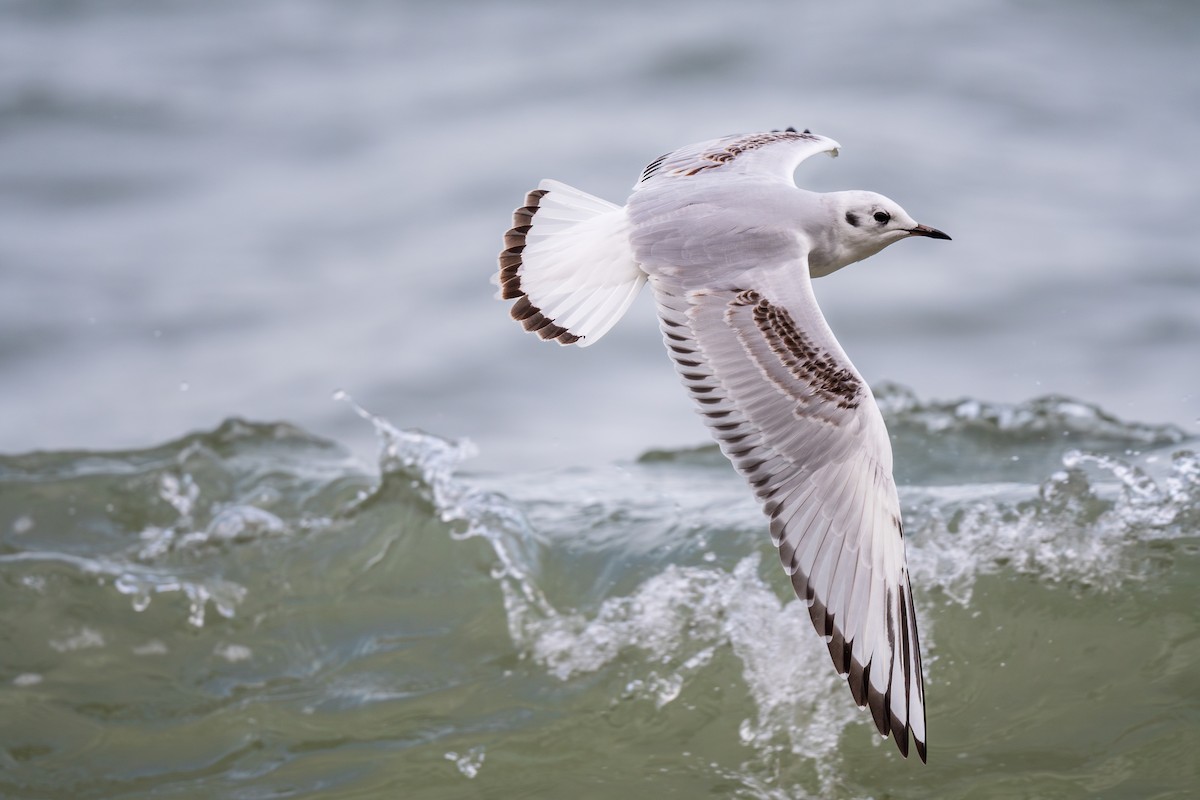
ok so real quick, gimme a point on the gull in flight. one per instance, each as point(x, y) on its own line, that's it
point(729, 245)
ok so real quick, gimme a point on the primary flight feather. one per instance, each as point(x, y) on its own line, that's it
point(729, 244)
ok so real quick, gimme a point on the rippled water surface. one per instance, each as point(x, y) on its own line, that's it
point(249, 612)
point(215, 216)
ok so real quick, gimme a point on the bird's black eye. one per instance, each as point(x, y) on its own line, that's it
point(882, 217)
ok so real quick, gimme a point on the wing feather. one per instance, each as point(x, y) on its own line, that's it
point(774, 154)
point(797, 420)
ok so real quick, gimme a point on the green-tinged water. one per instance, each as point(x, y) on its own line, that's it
point(250, 613)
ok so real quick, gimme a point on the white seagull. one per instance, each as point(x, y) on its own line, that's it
point(729, 245)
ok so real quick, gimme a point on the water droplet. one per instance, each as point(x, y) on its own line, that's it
point(151, 648)
point(233, 652)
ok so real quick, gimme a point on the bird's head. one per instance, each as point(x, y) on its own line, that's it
point(863, 224)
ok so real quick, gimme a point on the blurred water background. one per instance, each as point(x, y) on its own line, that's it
point(233, 210)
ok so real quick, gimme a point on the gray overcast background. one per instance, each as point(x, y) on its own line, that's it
point(209, 210)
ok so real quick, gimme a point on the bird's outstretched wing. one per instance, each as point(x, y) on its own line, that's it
point(800, 424)
point(773, 154)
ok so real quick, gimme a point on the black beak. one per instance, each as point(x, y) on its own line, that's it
point(925, 230)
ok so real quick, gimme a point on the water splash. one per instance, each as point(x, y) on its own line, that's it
point(468, 763)
point(1079, 525)
point(1052, 415)
point(676, 620)
point(429, 463)
point(1074, 526)
point(168, 514)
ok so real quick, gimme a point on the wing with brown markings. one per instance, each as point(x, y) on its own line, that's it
point(773, 154)
point(799, 423)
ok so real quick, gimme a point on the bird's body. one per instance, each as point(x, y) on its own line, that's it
point(728, 244)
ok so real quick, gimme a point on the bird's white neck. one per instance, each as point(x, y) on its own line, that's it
point(831, 248)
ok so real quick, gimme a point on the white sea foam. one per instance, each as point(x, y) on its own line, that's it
point(83, 639)
point(468, 763)
point(233, 653)
point(1077, 525)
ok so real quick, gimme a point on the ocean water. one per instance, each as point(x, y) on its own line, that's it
point(524, 573)
point(252, 612)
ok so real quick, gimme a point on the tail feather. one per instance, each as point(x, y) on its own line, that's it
point(568, 264)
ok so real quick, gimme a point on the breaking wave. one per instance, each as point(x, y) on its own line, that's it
point(653, 583)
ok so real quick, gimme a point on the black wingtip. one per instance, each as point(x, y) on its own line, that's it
point(901, 739)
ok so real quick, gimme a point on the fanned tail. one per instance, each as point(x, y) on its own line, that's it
point(568, 264)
